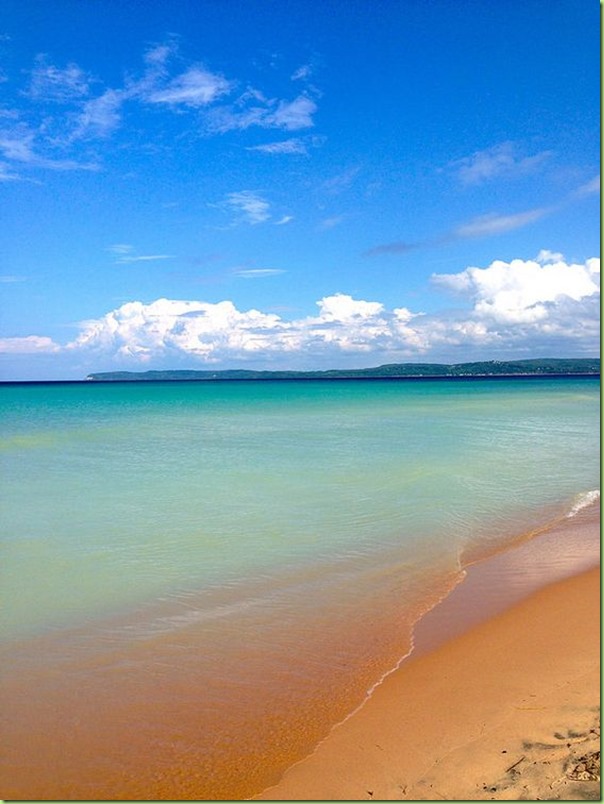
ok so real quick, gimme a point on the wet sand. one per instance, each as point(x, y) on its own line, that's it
point(137, 721)
point(507, 708)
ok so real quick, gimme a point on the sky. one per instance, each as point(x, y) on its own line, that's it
point(296, 185)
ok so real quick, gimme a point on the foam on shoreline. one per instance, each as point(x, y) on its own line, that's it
point(121, 682)
point(566, 549)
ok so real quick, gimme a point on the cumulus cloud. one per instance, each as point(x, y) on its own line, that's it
point(537, 307)
point(525, 291)
point(31, 344)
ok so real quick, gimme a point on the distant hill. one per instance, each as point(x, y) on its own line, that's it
point(490, 368)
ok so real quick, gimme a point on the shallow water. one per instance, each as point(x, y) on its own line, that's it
point(201, 578)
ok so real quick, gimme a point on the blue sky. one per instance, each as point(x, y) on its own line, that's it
point(298, 184)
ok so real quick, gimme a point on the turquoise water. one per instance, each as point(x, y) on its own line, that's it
point(117, 493)
point(275, 524)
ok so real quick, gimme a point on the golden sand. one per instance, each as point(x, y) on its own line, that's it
point(508, 710)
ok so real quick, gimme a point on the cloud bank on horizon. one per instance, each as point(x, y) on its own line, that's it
point(229, 195)
point(546, 302)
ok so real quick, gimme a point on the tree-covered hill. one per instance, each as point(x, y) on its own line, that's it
point(490, 368)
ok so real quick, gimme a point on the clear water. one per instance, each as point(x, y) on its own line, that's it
point(271, 543)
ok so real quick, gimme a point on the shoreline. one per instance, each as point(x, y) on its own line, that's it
point(531, 598)
point(110, 761)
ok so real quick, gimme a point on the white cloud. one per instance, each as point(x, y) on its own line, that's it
point(525, 291)
point(294, 115)
point(17, 144)
point(121, 248)
point(545, 255)
point(7, 174)
point(344, 308)
point(286, 115)
point(331, 222)
point(591, 187)
point(500, 160)
point(257, 273)
point(540, 307)
point(340, 182)
point(50, 83)
point(125, 253)
point(494, 224)
point(145, 258)
point(99, 116)
point(252, 208)
point(302, 72)
point(196, 87)
point(291, 146)
point(31, 344)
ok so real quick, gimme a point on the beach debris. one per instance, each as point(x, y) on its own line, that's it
point(587, 769)
point(518, 761)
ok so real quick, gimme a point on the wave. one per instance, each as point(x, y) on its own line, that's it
point(583, 500)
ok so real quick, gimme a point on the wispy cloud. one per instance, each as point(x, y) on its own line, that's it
point(398, 247)
point(293, 115)
point(331, 222)
point(342, 181)
point(18, 145)
point(291, 146)
point(493, 224)
point(257, 273)
point(51, 83)
point(254, 110)
point(590, 188)
point(482, 226)
point(302, 72)
point(99, 117)
point(10, 278)
point(145, 258)
point(69, 108)
point(503, 160)
point(8, 174)
point(250, 206)
point(196, 87)
point(126, 253)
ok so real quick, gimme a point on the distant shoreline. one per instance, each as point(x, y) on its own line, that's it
point(409, 377)
point(481, 368)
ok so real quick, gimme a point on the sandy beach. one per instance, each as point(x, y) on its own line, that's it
point(500, 700)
